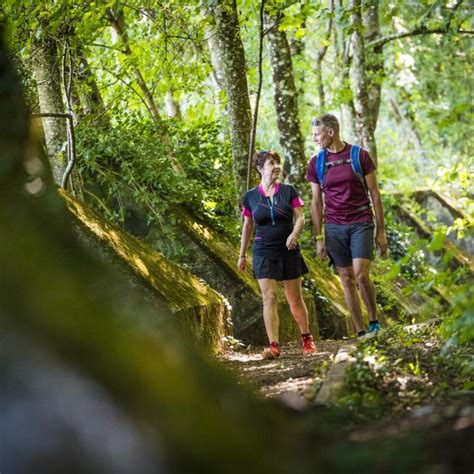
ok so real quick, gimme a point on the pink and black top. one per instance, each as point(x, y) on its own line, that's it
point(345, 198)
point(273, 220)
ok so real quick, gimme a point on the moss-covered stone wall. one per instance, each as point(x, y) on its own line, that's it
point(213, 256)
point(197, 308)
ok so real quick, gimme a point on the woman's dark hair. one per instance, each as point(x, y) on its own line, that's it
point(259, 157)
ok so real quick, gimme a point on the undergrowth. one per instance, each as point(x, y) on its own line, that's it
point(403, 369)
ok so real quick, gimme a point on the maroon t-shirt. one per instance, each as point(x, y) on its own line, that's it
point(343, 192)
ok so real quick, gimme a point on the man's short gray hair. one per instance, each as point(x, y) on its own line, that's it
point(328, 121)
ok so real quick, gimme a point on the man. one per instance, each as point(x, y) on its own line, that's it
point(349, 228)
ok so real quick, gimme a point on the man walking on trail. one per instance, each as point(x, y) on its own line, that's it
point(345, 175)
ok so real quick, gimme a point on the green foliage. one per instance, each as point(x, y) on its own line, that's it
point(131, 164)
point(458, 326)
point(403, 369)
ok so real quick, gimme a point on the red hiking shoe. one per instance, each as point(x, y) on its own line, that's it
point(308, 344)
point(272, 351)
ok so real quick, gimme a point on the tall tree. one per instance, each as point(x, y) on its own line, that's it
point(320, 53)
point(364, 119)
point(46, 68)
point(229, 53)
point(286, 96)
point(341, 42)
point(374, 56)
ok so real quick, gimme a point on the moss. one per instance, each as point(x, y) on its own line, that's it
point(459, 256)
point(199, 310)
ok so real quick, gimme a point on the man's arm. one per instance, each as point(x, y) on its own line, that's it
point(317, 218)
point(380, 236)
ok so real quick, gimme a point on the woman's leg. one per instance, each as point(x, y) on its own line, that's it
point(269, 290)
point(294, 296)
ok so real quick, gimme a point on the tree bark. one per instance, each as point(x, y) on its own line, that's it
point(347, 109)
point(374, 58)
point(46, 67)
point(216, 59)
point(230, 55)
point(319, 59)
point(364, 119)
point(286, 98)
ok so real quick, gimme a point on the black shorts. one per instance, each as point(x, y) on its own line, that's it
point(344, 242)
point(288, 266)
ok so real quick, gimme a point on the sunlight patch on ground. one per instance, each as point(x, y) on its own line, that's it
point(242, 357)
point(289, 385)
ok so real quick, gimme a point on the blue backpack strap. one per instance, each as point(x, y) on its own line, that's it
point(320, 165)
point(355, 163)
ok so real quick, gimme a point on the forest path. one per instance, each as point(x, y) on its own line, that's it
point(290, 378)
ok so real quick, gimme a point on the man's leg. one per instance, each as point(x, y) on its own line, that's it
point(294, 296)
point(366, 287)
point(347, 276)
point(269, 290)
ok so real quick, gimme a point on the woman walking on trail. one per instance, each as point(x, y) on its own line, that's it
point(272, 206)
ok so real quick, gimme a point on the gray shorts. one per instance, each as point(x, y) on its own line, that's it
point(344, 242)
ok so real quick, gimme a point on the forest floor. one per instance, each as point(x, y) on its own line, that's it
point(402, 391)
point(289, 378)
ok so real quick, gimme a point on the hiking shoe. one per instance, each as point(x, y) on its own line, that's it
point(272, 351)
point(374, 326)
point(308, 344)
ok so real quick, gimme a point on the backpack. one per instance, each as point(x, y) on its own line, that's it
point(321, 165)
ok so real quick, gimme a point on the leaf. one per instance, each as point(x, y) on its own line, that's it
point(437, 241)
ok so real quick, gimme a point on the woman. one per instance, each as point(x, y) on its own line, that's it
point(273, 206)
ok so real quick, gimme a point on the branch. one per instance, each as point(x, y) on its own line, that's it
point(421, 30)
point(322, 51)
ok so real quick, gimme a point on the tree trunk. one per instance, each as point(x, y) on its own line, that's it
point(216, 59)
point(229, 52)
point(319, 59)
point(48, 81)
point(286, 98)
point(172, 106)
point(374, 58)
point(347, 109)
point(364, 119)
point(87, 91)
point(118, 24)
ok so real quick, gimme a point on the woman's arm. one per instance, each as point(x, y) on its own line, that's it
point(292, 240)
point(247, 230)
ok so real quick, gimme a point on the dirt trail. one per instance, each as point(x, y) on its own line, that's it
point(289, 378)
